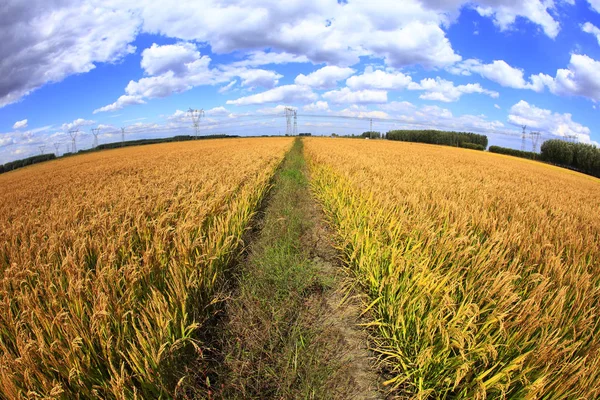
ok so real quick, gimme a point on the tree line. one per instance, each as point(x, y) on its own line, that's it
point(579, 156)
point(25, 162)
point(456, 139)
point(515, 153)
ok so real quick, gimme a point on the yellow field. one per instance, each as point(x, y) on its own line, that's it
point(109, 260)
point(483, 270)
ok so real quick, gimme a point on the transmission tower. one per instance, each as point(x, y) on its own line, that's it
point(571, 138)
point(56, 146)
point(42, 147)
point(535, 138)
point(523, 138)
point(122, 136)
point(295, 123)
point(95, 132)
point(289, 112)
point(73, 134)
point(370, 124)
point(196, 116)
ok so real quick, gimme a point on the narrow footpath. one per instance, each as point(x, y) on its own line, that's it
point(287, 332)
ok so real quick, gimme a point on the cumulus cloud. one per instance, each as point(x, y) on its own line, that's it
point(121, 102)
point(401, 35)
point(348, 96)
point(284, 94)
point(218, 111)
point(319, 106)
point(259, 58)
point(377, 79)
point(588, 27)
point(360, 111)
point(79, 122)
point(445, 91)
point(547, 121)
point(180, 67)
point(277, 110)
point(20, 124)
point(325, 78)
point(595, 4)
point(580, 78)
point(435, 117)
point(505, 12)
point(46, 41)
point(157, 59)
point(259, 77)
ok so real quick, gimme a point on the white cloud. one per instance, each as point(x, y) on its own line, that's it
point(259, 77)
point(361, 112)
point(505, 12)
point(228, 87)
point(180, 68)
point(402, 35)
point(592, 29)
point(319, 106)
point(547, 121)
point(435, 117)
point(218, 111)
point(581, 78)
point(277, 110)
point(157, 60)
point(497, 106)
point(284, 94)
point(79, 122)
point(378, 79)
point(595, 4)
point(259, 58)
point(20, 124)
point(48, 41)
point(324, 78)
point(347, 96)
point(121, 102)
point(442, 90)
point(498, 71)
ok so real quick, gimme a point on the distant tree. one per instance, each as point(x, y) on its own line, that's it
point(371, 135)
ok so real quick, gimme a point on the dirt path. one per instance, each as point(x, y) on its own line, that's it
point(286, 332)
point(341, 311)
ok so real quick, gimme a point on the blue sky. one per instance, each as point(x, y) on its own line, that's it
point(487, 66)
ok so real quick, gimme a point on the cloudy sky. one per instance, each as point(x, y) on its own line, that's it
point(485, 66)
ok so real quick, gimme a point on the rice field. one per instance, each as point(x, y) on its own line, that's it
point(482, 271)
point(109, 263)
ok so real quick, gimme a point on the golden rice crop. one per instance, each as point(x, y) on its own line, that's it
point(483, 270)
point(109, 260)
